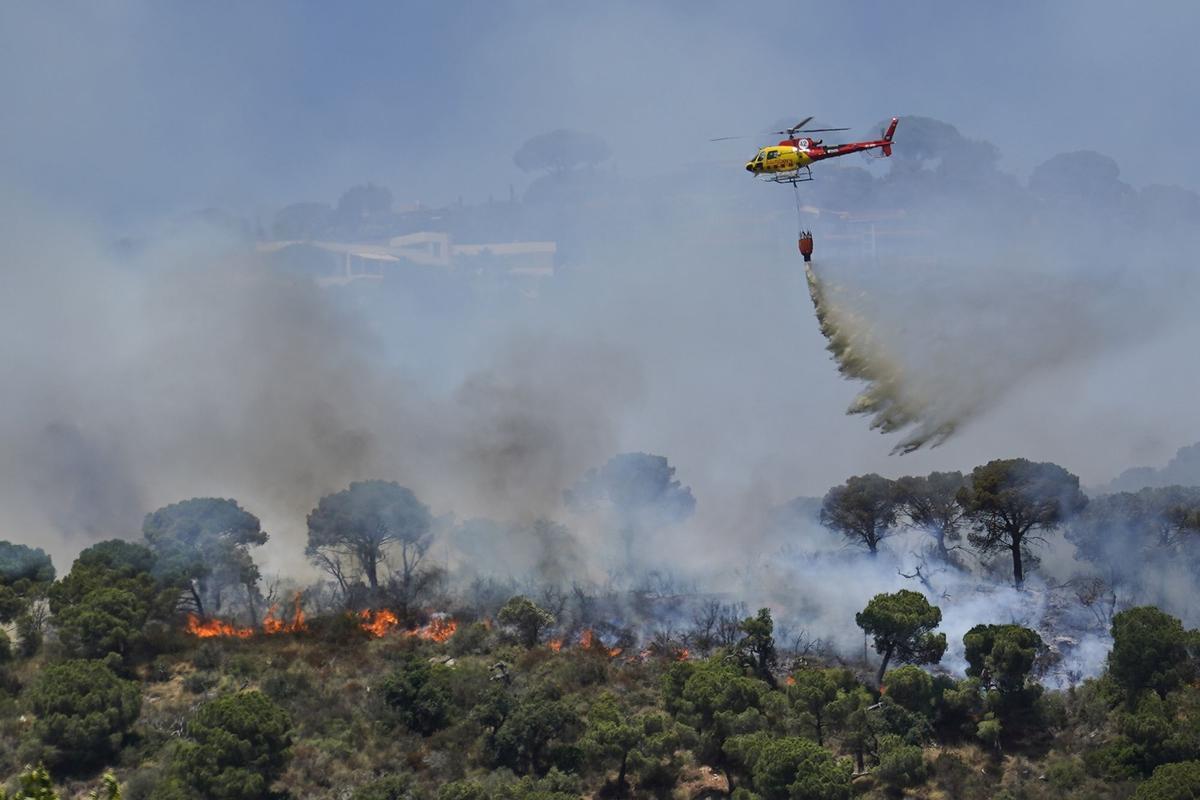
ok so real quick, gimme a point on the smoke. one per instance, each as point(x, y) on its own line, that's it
point(816, 585)
point(974, 287)
point(892, 401)
point(190, 368)
point(1000, 316)
point(936, 355)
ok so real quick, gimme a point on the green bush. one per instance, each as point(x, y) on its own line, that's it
point(1065, 774)
point(790, 767)
point(201, 682)
point(1172, 782)
point(462, 790)
point(288, 684)
point(399, 786)
point(83, 711)
point(418, 694)
point(1150, 651)
point(901, 766)
point(469, 640)
point(910, 687)
point(236, 746)
point(208, 655)
point(106, 620)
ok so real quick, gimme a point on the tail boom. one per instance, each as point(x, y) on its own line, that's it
point(887, 137)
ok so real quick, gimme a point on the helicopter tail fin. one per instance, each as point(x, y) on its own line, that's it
point(887, 137)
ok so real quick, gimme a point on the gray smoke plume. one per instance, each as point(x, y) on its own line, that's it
point(860, 354)
point(937, 348)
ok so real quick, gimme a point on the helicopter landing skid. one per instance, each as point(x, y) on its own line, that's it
point(792, 178)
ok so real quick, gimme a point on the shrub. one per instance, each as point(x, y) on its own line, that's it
point(398, 786)
point(901, 766)
point(1179, 781)
point(237, 745)
point(417, 692)
point(83, 711)
point(910, 687)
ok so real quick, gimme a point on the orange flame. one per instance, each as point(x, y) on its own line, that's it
point(438, 630)
point(210, 628)
point(588, 640)
point(683, 654)
point(378, 623)
point(273, 624)
point(791, 680)
point(556, 644)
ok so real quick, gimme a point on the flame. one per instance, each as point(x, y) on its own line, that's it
point(273, 624)
point(207, 629)
point(588, 640)
point(683, 654)
point(556, 644)
point(791, 680)
point(438, 630)
point(378, 623)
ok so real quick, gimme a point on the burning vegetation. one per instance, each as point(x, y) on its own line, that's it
point(536, 688)
point(271, 624)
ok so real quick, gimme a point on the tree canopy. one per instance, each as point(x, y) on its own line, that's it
point(863, 509)
point(790, 768)
point(1150, 651)
point(902, 625)
point(527, 618)
point(355, 529)
point(19, 562)
point(641, 490)
point(25, 573)
point(930, 503)
point(1001, 655)
point(1007, 500)
point(83, 711)
point(236, 745)
point(1179, 781)
point(205, 544)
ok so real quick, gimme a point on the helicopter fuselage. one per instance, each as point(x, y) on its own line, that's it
point(795, 154)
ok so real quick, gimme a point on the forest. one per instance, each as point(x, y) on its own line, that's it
point(167, 666)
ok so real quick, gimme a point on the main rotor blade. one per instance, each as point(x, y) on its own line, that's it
point(727, 138)
point(794, 128)
point(820, 130)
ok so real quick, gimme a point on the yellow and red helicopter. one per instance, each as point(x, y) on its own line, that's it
point(788, 161)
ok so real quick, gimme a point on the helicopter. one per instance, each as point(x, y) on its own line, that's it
point(788, 161)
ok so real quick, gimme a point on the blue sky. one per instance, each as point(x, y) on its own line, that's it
point(127, 109)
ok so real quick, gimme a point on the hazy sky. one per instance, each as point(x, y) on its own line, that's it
point(134, 109)
point(117, 116)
